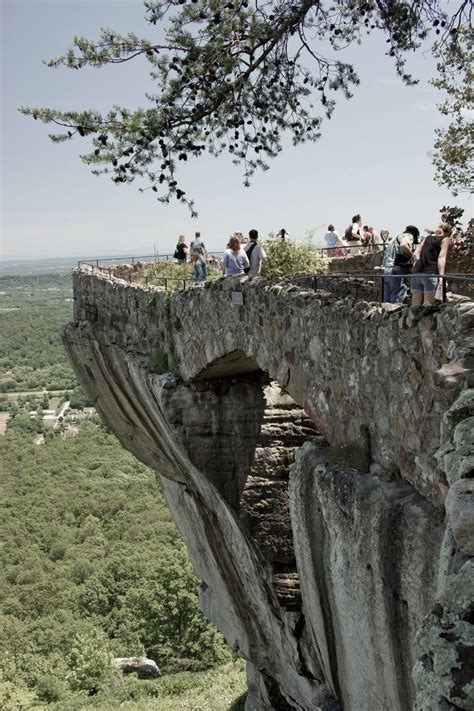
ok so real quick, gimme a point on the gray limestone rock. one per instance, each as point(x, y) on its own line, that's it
point(460, 512)
point(461, 408)
point(358, 543)
point(444, 672)
point(463, 434)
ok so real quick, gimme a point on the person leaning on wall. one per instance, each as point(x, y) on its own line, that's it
point(429, 264)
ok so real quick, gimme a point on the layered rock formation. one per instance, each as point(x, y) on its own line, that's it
point(306, 446)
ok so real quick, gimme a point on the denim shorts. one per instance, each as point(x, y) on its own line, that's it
point(423, 283)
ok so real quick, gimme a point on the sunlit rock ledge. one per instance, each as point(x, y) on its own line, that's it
point(316, 453)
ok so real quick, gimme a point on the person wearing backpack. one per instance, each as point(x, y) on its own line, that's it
point(352, 234)
point(181, 250)
point(397, 262)
point(198, 253)
point(255, 254)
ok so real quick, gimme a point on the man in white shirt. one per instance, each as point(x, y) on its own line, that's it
point(255, 253)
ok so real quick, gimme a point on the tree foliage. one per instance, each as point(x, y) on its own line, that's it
point(91, 565)
point(33, 310)
point(453, 156)
point(234, 77)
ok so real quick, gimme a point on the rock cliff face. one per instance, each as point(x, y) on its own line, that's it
point(316, 455)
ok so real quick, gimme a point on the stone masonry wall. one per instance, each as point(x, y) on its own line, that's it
point(350, 365)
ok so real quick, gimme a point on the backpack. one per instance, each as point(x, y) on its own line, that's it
point(401, 258)
point(248, 252)
point(395, 253)
point(348, 234)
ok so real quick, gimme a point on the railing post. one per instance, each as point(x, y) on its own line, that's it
point(382, 284)
point(133, 260)
point(97, 263)
point(443, 289)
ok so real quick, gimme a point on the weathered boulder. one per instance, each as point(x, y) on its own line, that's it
point(444, 673)
point(144, 668)
point(460, 511)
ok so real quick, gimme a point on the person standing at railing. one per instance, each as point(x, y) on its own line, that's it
point(397, 262)
point(255, 254)
point(198, 257)
point(235, 260)
point(333, 242)
point(430, 263)
point(353, 234)
point(368, 239)
point(181, 250)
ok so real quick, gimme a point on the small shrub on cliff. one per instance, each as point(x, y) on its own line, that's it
point(355, 454)
point(288, 257)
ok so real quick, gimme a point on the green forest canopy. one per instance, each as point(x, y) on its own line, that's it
point(235, 76)
point(92, 565)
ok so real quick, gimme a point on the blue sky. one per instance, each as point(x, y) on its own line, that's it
point(372, 157)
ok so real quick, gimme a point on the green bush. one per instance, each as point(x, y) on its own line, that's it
point(90, 661)
point(288, 257)
point(16, 697)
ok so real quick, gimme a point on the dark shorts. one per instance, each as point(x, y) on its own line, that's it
point(424, 283)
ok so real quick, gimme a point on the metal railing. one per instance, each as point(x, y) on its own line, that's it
point(147, 259)
point(373, 276)
point(367, 276)
point(144, 280)
point(137, 277)
point(346, 249)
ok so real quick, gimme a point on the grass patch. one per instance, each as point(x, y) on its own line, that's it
point(159, 363)
point(220, 689)
point(354, 454)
